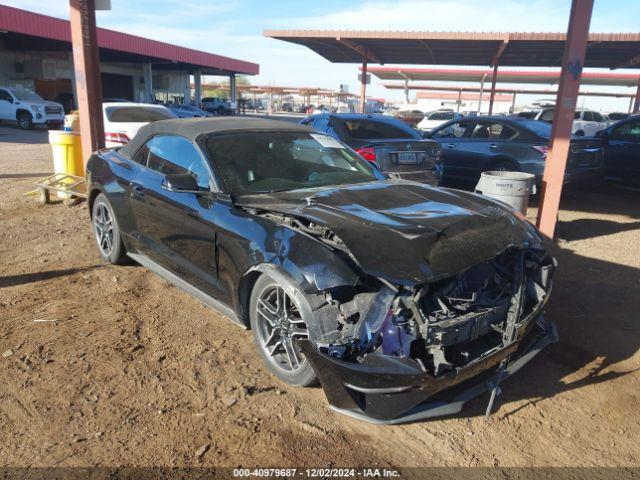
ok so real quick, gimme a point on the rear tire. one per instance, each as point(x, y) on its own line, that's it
point(276, 321)
point(107, 232)
point(221, 111)
point(25, 120)
point(579, 133)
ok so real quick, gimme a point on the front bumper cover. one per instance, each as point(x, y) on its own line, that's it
point(391, 390)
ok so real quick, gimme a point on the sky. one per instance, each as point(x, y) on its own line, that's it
point(234, 28)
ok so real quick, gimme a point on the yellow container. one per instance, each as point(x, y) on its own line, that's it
point(67, 152)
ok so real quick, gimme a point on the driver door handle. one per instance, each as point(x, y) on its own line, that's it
point(493, 146)
point(137, 191)
point(451, 145)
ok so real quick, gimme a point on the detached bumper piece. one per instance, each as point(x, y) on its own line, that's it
point(393, 390)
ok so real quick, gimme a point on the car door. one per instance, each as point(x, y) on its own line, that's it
point(599, 123)
point(622, 151)
point(456, 157)
point(487, 145)
point(6, 105)
point(178, 229)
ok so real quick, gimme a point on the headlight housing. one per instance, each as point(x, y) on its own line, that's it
point(36, 108)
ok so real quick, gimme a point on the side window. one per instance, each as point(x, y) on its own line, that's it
point(587, 116)
point(4, 95)
point(141, 155)
point(493, 131)
point(169, 154)
point(308, 121)
point(629, 132)
point(597, 117)
point(455, 130)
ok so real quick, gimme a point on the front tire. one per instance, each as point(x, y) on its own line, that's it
point(277, 322)
point(107, 232)
point(25, 120)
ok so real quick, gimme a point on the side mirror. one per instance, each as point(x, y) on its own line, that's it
point(181, 183)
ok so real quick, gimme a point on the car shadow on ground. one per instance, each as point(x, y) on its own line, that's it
point(584, 228)
point(24, 278)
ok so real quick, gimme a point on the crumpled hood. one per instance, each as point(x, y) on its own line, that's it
point(406, 232)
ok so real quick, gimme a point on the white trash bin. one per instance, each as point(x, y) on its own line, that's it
point(512, 188)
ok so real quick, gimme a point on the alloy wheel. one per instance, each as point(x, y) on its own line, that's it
point(279, 325)
point(103, 228)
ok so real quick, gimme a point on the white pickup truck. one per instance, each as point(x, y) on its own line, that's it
point(29, 109)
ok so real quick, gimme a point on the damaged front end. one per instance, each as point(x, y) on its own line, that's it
point(392, 354)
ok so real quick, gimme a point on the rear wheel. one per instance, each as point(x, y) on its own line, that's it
point(107, 232)
point(25, 120)
point(277, 322)
point(221, 110)
point(579, 133)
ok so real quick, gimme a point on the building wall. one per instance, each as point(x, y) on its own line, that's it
point(32, 69)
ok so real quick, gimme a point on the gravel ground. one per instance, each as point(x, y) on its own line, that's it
point(111, 366)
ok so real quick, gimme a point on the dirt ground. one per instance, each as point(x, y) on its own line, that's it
point(112, 366)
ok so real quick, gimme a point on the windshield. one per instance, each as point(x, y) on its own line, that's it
point(528, 114)
point(263, 162)
point(138, 114)
point(27, 95)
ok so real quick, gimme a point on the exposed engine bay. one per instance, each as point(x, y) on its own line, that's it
point(442, 326)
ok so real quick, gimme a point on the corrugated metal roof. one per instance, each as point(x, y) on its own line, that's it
point(516, 49)
point(37, 25)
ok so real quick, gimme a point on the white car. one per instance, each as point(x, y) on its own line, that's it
point(122, 120)
point(585, 124)
point(435, 119)
point(29, 109)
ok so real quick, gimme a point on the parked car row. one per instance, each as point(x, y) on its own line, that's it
point(472, 145)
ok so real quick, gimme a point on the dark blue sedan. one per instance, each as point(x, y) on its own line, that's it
point(474, 145)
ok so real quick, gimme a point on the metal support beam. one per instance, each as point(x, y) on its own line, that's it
point(636, 102)
point(84, 42)
point(494, 77)
point(459, 102)
point(365, 52)
point(406, 91)
point(484, 77)
point(197, 83)
point(513, 102)
point(572, 62)
point(492, 95)
point(363, 85)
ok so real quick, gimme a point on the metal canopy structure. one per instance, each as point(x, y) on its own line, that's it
point(546, 77)
point(24, 30)
point(515, 49)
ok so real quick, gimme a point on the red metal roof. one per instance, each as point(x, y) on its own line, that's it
point(499, 97)
point(43, 26)
point(504, 76)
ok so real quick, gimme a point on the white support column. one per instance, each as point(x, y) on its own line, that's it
point(197, 80)
point(187, 88)
point(233, 96)
point(148, 82)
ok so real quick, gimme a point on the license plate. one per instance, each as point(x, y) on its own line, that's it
point(406, 158)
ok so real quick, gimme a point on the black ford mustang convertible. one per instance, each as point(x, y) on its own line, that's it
point(403, 300)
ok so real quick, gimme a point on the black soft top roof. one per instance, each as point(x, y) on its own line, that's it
point(192, 128)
